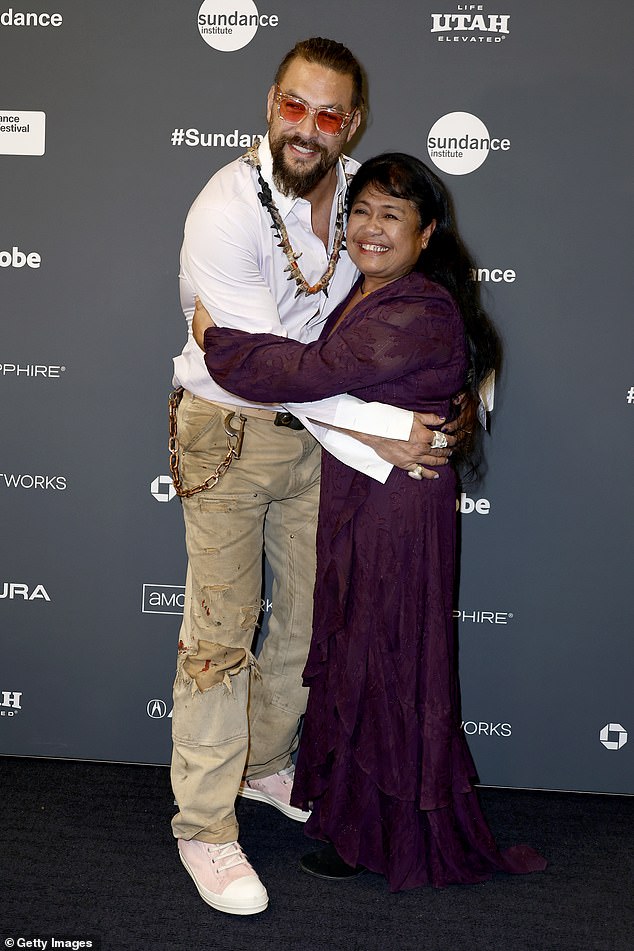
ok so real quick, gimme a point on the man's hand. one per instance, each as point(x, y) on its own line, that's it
point(415, 453)
point(200, 323)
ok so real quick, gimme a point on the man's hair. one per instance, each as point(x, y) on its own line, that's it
point(332, 55)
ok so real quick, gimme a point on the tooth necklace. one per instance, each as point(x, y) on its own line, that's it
point(251, 157)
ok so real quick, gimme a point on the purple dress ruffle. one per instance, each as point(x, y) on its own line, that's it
point(383, 760)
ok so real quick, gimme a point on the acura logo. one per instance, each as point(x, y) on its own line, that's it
point(156, 709)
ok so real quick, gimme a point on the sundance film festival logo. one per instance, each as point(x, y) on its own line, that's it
point(459, 143)
point(229, 25)
point(163, 599)
point(613, 736)
point(495, 275)
point(10, 703)
point(9, 18)
point(215, 140)
point(22, 133)
point(470, 24)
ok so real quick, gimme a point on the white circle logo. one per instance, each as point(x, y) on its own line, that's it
point(458, 143)
point(156, 709)
point(613, 736)
point(162, 488)
point(228, 25)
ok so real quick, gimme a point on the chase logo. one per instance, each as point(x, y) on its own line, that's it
point(163, 599)
point(162, 488)
point(229, 25)
point(613, 736)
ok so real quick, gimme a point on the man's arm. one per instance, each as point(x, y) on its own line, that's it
point(386, 453)
point(219, 264)
point(406, 453)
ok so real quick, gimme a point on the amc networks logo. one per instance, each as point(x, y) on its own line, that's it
point(163, 599)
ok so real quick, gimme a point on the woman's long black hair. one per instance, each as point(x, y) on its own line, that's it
point(446, 261)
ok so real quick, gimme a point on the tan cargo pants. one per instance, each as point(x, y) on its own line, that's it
point(231, 713)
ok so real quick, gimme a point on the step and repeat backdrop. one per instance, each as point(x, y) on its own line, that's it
point(112, 117)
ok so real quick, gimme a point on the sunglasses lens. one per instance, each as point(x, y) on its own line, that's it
point(330, 123)
point(292, 111)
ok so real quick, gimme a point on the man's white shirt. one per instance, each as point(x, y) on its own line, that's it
point(230, 258)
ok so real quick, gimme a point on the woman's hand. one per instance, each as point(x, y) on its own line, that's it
point(200, 323)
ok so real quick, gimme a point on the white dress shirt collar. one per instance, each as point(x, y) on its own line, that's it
point(286, 203)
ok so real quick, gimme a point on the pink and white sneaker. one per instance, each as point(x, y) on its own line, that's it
point(223, 876)
point(276, 791)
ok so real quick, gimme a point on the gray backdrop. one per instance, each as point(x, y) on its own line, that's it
point(92, 552)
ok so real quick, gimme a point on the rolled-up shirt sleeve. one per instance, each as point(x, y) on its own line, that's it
point(219, 263)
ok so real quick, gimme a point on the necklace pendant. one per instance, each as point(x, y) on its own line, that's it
point(251, 157)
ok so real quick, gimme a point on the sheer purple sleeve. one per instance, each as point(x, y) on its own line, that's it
point(377, 342)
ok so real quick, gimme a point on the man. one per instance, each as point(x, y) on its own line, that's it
point(263, 251)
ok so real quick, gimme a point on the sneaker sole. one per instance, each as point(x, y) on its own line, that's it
point(216, 900)
point(291, 812)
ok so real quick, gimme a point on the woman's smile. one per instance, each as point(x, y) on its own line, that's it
point(385, 237)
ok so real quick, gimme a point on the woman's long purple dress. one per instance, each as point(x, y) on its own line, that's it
point(383, 759)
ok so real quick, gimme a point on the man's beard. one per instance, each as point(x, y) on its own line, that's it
point(298, 184)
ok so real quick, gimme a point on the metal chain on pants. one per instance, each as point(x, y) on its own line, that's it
point(235, 438)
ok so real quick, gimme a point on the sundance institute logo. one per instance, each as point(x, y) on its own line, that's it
point(459, 142)
point(229, 25)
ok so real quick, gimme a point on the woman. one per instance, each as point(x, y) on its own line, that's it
point(383, 760)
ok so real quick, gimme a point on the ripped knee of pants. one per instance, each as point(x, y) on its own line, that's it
point(214, 664)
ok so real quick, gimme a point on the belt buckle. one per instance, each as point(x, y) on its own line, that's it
point(287, 420)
